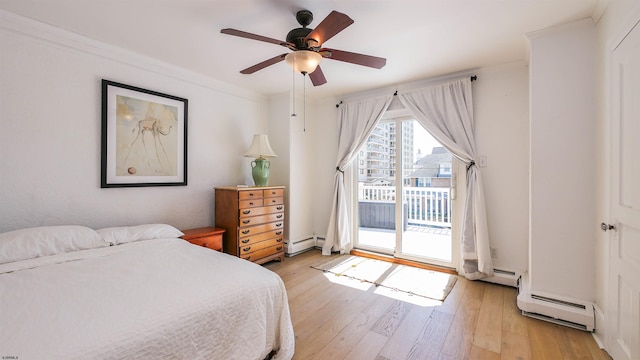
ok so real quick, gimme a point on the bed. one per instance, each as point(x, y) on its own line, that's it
point(139, 292)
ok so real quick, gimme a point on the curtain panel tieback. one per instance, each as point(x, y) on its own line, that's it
point(472, 163)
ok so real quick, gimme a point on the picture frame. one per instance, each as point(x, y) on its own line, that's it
point(144, 137)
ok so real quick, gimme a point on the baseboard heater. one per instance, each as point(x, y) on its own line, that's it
point(568, 312)
point(505, 277)
point(299, 246)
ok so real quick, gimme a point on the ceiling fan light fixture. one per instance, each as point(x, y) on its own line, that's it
point(303, 61)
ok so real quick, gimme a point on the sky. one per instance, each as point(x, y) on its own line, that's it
point(423, 141)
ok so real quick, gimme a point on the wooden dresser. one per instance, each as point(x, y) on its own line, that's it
point(253, 218)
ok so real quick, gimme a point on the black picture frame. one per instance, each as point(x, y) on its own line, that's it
point(144, 137)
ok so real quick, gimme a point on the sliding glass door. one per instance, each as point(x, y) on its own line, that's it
point(404, 184)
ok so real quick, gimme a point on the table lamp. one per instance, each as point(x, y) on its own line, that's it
point(260, 149)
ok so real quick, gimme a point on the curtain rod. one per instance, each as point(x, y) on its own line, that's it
point(473, 78)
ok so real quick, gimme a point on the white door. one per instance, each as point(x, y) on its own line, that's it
point(624, 283)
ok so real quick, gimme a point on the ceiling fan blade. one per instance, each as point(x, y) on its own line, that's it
point(264, 64)
point(317, 77)
point(331, 25)
point(246, 35)
point(355, 58)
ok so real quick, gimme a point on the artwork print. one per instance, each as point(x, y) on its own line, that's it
point(144, 137)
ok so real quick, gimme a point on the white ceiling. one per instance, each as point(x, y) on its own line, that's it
point(419, 38)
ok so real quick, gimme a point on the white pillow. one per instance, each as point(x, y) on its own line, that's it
point(126, 234)
point(46, 240)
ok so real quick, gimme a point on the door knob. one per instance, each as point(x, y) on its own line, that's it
point(605, 227)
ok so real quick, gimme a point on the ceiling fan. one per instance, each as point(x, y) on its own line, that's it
point(306, 45)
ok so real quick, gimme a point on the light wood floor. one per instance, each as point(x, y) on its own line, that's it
point(477, 320)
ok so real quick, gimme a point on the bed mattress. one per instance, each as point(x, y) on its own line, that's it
point(152, 299)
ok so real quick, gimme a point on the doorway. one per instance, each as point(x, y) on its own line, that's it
point(405, 189)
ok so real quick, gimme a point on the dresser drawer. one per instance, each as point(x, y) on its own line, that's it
point(273, 201)
point(257, 220)
point(251, 230)
point(251, 203)
point(247, 249)
point(257, 255)
point(251, 239)
point(274, 193)
point(250, 194)
point(261, 210)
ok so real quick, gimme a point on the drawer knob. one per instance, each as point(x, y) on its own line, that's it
point(246, 231)
point(279, 207)
point(246, 212)
point(247, 248)
point(279, 248)
point(250, 194)
point(279, 232)
point(244, 241)
point(274, 201)
point(279, 224)
point(246, 221)
point(247, 257)
point(279, 240)
point(279, 216)
point(250, 203)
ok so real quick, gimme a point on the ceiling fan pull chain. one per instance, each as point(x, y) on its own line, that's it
point(304, 87)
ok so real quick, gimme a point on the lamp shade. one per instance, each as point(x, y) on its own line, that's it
point(303, 61)
point(260, 148)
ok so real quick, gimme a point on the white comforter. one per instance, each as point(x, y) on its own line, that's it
point(153, 299)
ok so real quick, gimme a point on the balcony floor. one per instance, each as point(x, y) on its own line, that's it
point(419, 241)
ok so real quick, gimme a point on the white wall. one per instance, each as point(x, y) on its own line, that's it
point(294, 167)
point(50, 124)
point(563, 133)
point(304, 164)
point(325, 127)
point(501, 107)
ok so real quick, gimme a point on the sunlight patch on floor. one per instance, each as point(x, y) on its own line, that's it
point(412, 285)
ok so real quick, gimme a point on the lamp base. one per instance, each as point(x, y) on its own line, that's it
point(260, 171)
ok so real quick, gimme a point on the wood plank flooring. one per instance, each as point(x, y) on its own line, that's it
point(477, 320)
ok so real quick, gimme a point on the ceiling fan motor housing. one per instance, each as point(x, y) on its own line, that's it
point(297, 36)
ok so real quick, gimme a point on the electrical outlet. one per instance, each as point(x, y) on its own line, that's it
point(494, 252)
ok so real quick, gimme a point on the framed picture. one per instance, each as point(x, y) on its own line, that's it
point(144, 137)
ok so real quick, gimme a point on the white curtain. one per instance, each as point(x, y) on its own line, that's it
point(446, 111)
point(357, 121)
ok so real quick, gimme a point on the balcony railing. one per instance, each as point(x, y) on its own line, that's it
point(422, 206)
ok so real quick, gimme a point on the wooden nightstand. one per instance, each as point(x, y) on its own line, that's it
point(209, 237)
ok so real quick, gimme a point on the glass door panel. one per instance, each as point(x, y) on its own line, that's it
point(377, 192)
point(426, 201)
